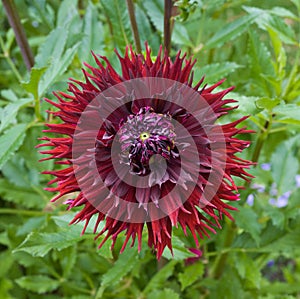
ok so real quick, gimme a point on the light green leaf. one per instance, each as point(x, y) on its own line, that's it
point(285, 32)
point(267, 103)
point(9, 112)
point(38, 283)
point(163, 294)
point(180, 35)
point(180, 252)
point(284, 166)
point(259, 57)
point(144, 27)
point(216, 71)
point(247, 220)
point(121, 268)
point(25, 196)
point(288, 111)
point(276, 215)
point(63, 221)
point(247, 270)
point(190, 275)
point(287, 244)
point(33, 223)
point(283, 12)
point(67, 11)
point(51, 50)
point(10, 141)
point(93, 39)
point(57, 69)
point(159, 279)
point(246, 104)
point(32, 85)
point(230, 31)
point(118, 18)
point(9, 95)
point(39, 244)
point(155, 11)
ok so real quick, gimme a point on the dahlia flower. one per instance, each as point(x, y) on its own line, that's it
point(142, 151)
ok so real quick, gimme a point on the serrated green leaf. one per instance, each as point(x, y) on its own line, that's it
point(155, 11)
point(118, 18)
point(92, 39)
point(67, 11)
point(284, 167)
point(163, 294)
point(9, 95)
point(9, 112)
point(68, 258)
point(10, 141)
point(25, 196)
point(276, 215)
point(216, 71)
point(286, 244)
point(158, 280)
point(39, 244)
point(246, 104)
point(267, 103)
point(288, 111)
point(190, 275)
point(43, 12)
point(122, 266)
point(144, 27)
point(180, 252)
point(180, 35)
point(38, 283)
point(63, 221)
point(230, 31)
point(52, 48)
point(247, 220)
point(32, 85)
point(16, 172)
point(285, 32)
point(259, 58)
point(57, 69)
point(283, 12)
point(31, 224)
point(247, 270)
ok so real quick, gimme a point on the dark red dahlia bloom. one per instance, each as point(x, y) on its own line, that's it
point(142, 149)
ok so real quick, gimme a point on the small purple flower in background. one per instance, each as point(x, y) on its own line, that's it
point(260, 188)
point(297, 179)
point(270, 263)
point(265, 166)
point(273, 190)
point(250, 200)
point(281, 201)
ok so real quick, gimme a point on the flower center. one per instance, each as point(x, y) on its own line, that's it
point(146, 134)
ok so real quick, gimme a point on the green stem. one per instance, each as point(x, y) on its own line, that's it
point(9, 61)
point(15, 23)
point(22, 212)
point(222, 259)
point(167, 25)
point(134, 27)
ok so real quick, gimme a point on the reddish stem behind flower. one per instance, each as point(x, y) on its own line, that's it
point(15, 23)
point(134, 27)
point(167, 25)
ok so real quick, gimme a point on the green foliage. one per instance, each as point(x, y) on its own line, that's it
point(255, 45)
